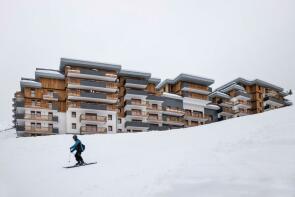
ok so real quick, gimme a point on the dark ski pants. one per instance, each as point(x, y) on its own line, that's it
point(79, 157)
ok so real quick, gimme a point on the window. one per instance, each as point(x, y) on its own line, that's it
point(50, 105)
point(50, 115)
point(110, 128)
point(38, 126)
point(74, 125)
point(110, 117)
point(120, 121)
point(154, 106)
point(33, 103)
point(38, 114)
point(33, 93)
point(119, 130)
point(50, 127)
point(73, 114)
point(50, 93)
point(33, 125)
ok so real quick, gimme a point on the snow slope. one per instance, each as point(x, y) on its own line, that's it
point(248, 156)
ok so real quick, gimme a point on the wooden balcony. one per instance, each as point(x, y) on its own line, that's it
point(40, 130)
point(92, 130)
point(40, 117)
point(84, 117)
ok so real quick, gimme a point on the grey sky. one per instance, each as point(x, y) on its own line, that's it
point(219, 39)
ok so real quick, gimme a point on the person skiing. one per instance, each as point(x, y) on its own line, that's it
point(79, 147)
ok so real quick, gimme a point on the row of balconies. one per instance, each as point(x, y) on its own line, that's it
point(92, 74)
point(35, 117)
point(37, 130)
point(92, 130)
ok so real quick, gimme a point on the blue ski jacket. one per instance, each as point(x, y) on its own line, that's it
point(77, 146)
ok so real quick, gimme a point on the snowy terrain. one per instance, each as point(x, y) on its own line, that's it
point(248, 156)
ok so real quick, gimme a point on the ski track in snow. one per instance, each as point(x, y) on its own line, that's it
point(247, 156)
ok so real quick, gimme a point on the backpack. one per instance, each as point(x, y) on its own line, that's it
point(82, 147)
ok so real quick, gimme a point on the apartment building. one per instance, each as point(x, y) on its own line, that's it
point(195, 107)
point(39, 106)
point(85, 97)
point(242, 97)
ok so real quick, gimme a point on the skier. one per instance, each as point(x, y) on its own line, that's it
point(79, 147)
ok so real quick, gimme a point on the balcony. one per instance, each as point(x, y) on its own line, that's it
point(154, 110)
point(241, 95)
point(271, 93)
point(226, 103)
point(195, 117)
point(196, 90)
point(139, 115)
point(94, 97)
point(136, 124)
point(93, 85)
point(51, 96)
point(135, 83)
point(19, 103)
point(242, 104)
point(243, 112)
point(87, 118)
point(173, 121)
point(227, 112)
point(92, 130)
point(93, 106)
point(273, 101)
point(156, 120)
point(136, 92)
point(173, 111)
point(41, 130)
point(91, 74)
point(40, 117)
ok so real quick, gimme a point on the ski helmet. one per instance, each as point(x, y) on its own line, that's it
point(75, 137)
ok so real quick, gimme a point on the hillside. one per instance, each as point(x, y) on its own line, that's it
point(247, 156)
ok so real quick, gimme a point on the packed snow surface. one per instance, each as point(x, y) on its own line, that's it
point(247, 156)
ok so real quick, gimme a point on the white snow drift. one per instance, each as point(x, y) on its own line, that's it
point(248, 156)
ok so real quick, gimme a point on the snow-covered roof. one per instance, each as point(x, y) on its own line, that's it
point(187, 78)
point(212, 106)
point(87, 64)
point(234, 86)
point(219, 94)
point(134, 73)
point(174, 96)
point(248, 82)
point(48, 74)
point(30, 83)
point(155, 81)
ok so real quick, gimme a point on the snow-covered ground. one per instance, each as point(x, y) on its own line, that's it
point(248, 156)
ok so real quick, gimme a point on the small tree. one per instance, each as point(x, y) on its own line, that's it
point(290, 92)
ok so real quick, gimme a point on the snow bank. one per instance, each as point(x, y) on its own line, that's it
point(247, 156)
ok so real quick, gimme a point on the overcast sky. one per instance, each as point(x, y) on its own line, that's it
point(219, 39)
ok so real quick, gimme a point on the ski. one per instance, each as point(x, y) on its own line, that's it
point(85, 164)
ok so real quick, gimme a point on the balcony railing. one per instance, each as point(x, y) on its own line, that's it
point(175, 110)
point(45, 130)
point(93, 118)
point(141, 114)
point(243, 94)
point(273, 99)
point(40, 117)
point(136, 124)
point(53, 96)
point(140, 103)
point(92, 130)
